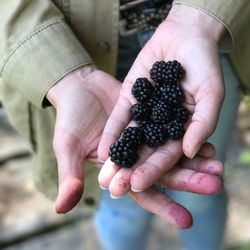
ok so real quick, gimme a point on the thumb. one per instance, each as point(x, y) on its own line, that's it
point(70, 171)
point(204, 119)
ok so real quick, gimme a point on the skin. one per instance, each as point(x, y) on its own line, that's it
point(193, 41)
point(84, 102)
point(76, 139)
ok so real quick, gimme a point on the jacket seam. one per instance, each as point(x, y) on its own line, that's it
point(26, 39)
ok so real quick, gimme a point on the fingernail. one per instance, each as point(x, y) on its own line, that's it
point(115, 197)
point(196, 150)
point(135, 190)
point(103, 188)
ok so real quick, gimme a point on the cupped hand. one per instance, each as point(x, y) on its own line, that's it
point(198, 175)
point(190, 37)
point(83, 100)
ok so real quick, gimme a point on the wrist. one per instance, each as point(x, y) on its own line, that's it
point(199, 19)
point(56, 91)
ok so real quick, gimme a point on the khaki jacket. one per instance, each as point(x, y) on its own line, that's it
point(41, 41)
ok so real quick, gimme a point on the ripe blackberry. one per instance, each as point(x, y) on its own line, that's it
point(139, 111)
point(172, 94)
point(153, 100)
point(142, 89)
point(170, 72)
point(155, 134)
point(180, 113)
point(133, 135)
point(161, 112)
point(123, 154)
point(175, 130)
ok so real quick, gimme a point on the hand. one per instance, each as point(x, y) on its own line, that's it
point(199, 175)
point(83, 103)
point(192, 38)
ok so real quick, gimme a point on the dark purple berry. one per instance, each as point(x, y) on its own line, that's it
point(142, 89)
point(175, 130)
point(123, 154)
point(139, 111)
point(133, 135)
point(161, 112)
point(154, 133)
point(180, 113)
point(170, 72)
point(172, 94)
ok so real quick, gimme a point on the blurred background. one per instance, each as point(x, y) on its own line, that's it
point(28, 221)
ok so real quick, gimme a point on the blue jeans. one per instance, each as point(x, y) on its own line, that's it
point(123, 225)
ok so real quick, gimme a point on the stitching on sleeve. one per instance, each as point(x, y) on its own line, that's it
point(8, 56)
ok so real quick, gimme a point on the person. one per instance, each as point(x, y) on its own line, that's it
point(197, 48)
point(40, 40)
point(42, 25)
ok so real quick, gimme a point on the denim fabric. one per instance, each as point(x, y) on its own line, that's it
point(122, 225)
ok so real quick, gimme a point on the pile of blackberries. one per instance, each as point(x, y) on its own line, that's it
point(158, 111)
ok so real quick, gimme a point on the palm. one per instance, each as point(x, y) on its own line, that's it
point(204, 93)
point(82, 111)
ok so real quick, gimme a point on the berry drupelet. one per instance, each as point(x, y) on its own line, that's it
point(170, 72)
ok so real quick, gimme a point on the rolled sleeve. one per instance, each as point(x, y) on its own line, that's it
point(42, 59)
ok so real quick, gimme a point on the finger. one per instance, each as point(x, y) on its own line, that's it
point(204, 119)
point(159, 204)
point(107, 172)
point(120, 183)
point(116, 123)
point(198, 164)
point(70, 171)
point(117, 179)
point(164, 158)
point(207, 150)
point(190, 181)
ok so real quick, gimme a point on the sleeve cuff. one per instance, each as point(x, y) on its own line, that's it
point(42, 59)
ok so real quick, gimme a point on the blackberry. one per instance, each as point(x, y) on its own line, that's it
point(170, 72)
point(180, 113)
point(142, 89)
point(175, 130)
point(134, 135)
point(153, 101)
point(139, 111)
point(123, 154)
point(172, 94)
point(155, 134)
point(161, 112)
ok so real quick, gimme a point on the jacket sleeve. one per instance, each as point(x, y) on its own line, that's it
point(233, 14)
point(37, 47)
